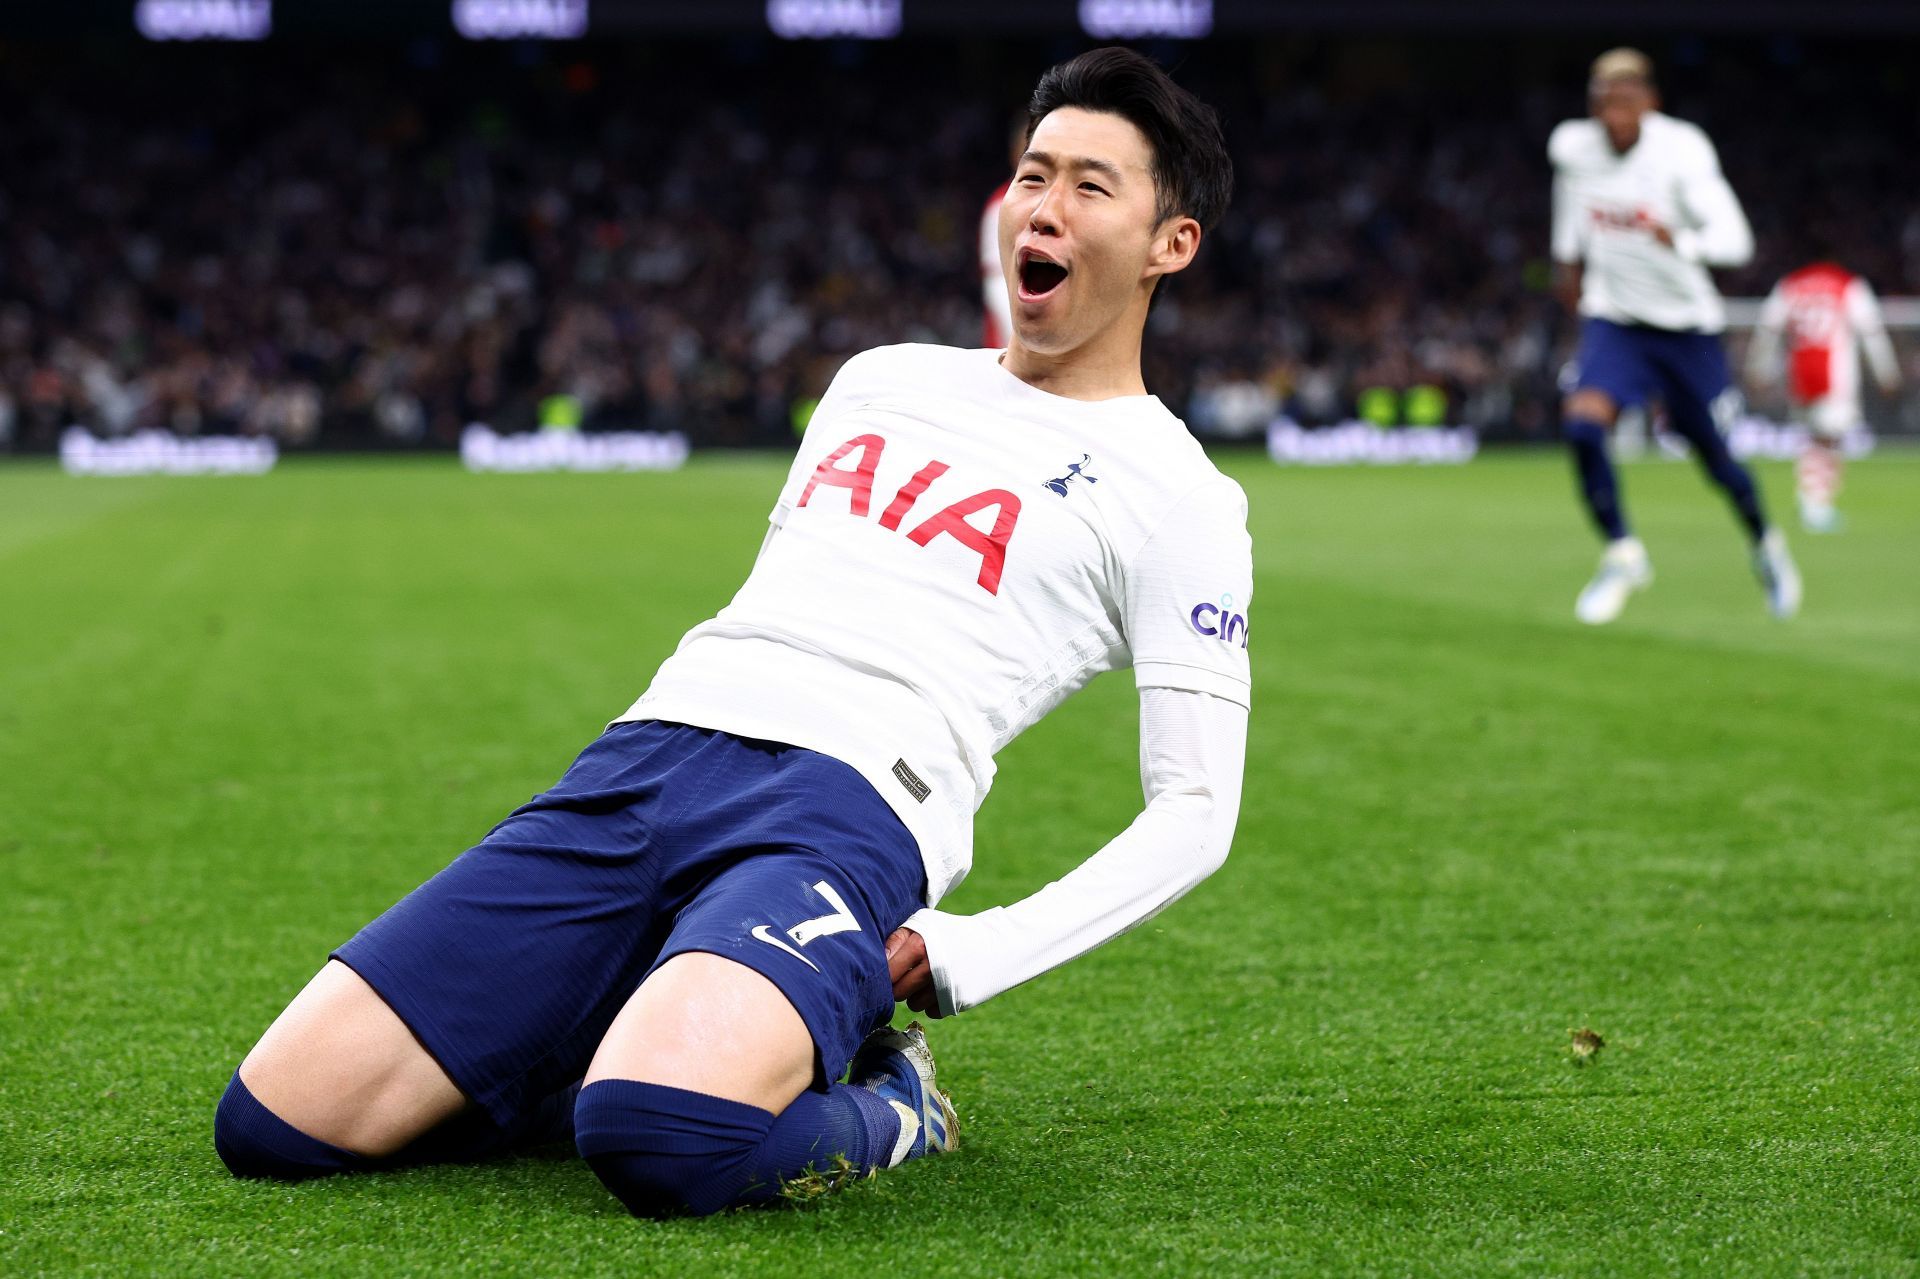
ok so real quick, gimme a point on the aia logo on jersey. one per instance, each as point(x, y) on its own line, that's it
point(990, 545)
point(1620, 218)
point(1219, 621)
point(1075, 471)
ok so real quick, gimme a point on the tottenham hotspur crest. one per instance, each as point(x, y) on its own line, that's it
point(1075, 471)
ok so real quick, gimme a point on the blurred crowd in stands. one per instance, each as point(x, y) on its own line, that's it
point(354, 247)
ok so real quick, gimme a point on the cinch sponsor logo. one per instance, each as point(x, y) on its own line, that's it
point(1219, 621)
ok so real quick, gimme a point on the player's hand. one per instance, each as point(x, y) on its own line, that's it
point(911, 973)
point(1566, 285)
point(1661, 232)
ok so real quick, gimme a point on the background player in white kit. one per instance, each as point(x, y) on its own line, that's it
point(1825, 316)
point(1640, 211)
point(676, 951)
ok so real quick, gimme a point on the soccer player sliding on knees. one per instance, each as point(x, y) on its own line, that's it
point(1640, 211)
point(686, 953)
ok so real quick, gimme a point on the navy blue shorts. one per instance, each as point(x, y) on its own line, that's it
point(510, 964)
point(1633, 363)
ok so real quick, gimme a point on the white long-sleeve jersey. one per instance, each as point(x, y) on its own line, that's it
point(957, 553)
point(1826, 317)
point(1606, 205)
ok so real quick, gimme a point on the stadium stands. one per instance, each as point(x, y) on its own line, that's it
point(338, 251)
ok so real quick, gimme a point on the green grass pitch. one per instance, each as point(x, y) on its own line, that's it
point(240, 717)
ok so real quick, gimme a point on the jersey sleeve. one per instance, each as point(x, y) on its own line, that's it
point(1763, 352)
point(1192, 757)
point(1188, 596)
point(1863, 312)
point(1562, 143)
point(851, 387)
point(1569, 229)
point(1717, 233)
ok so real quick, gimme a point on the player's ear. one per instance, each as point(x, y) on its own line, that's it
point(1174, 244)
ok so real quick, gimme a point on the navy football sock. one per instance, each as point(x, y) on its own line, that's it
point(1717, 460)
point(665, 1150)
point(254, 1142)
point(820, 1128)
point(1598, 484)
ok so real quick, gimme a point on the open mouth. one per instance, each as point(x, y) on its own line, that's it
point(1039, 276)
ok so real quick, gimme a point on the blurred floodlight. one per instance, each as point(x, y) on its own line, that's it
point(520, 19)
point(1135, 19)
point(834, 19)
point(204, 19)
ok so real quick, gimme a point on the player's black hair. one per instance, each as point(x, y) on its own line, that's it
point(1191, 172)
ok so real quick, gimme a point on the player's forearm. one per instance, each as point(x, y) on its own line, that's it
point(1566, 284)
point(1763, 355)
point(1568, 239)
point(1720, 236)
point(1880, 354)
point(1173, 845)
point(1192, 755)
point(1721, 247)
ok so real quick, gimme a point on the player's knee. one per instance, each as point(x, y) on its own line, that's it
point(254, 1142)
point(1588, 407)
point(667, 1152)
point(650, 1184)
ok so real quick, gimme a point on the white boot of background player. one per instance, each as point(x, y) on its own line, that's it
point(1624, 569)
point(1779, 578)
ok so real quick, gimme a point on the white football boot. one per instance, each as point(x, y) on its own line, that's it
point(1819, 517)
point(1773, 565)
point(898, 1065)
point(1624, 569)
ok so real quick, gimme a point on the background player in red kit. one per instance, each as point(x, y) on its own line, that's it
point(1826, 317)
point(997, 303)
